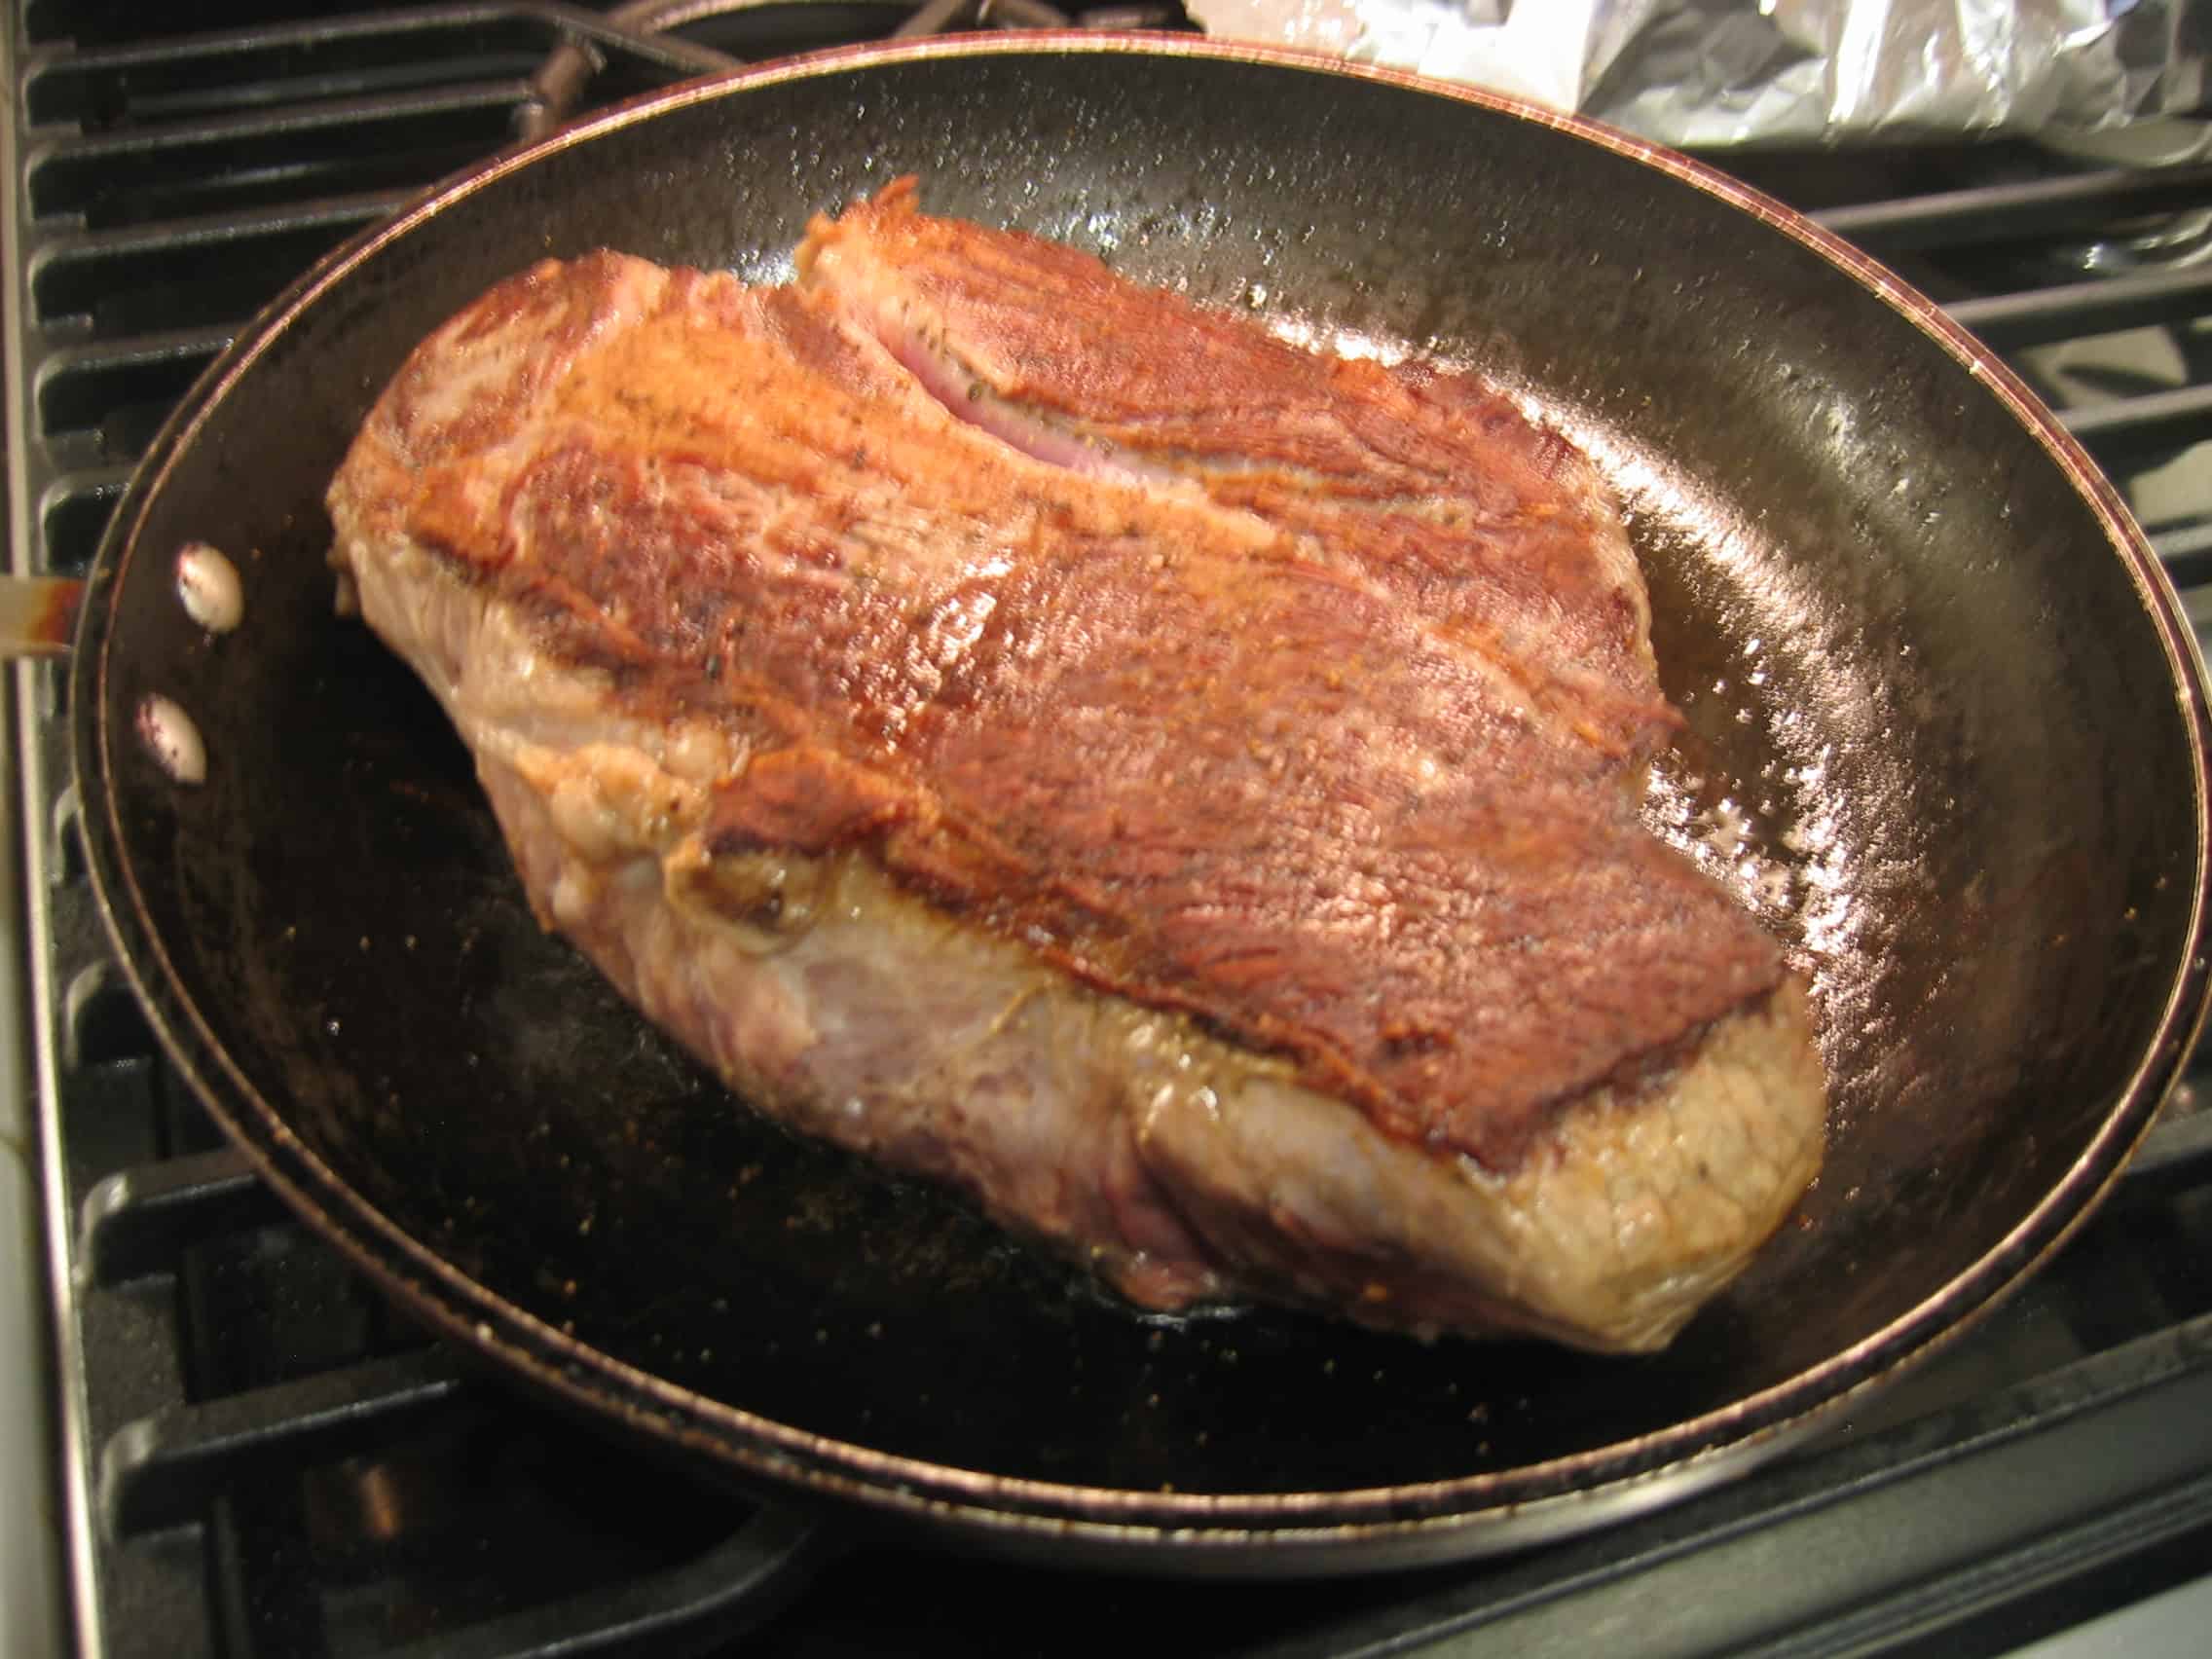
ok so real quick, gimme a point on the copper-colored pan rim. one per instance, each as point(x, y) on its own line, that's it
point(1364, 1526)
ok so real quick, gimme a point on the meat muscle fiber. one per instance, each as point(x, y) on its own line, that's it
point(1176, 787)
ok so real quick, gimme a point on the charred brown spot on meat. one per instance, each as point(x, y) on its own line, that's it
point(1403, 1036)
point(805, 799)
point(768, 900)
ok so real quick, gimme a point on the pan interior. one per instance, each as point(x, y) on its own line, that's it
point(1934, 739)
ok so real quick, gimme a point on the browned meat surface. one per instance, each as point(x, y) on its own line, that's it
point(1176, 787)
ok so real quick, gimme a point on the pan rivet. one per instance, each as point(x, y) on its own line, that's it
point(208, 585)
point(174, 740)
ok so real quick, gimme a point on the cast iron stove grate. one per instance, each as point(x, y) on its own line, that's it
point(262, 1458)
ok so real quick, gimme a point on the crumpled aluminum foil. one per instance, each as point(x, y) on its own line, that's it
point(1714, 73)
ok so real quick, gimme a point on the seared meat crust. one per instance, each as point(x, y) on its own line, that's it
point(1203, 708)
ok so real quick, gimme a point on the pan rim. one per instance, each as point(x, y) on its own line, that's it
point(1455, 1515)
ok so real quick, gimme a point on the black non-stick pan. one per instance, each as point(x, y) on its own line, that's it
point(1947, 732)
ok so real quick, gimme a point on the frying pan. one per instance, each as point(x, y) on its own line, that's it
point(1947, 732)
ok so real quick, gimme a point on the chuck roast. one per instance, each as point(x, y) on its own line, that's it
point(1178, 787)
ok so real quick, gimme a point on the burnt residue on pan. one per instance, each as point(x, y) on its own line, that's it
point(1944, 733)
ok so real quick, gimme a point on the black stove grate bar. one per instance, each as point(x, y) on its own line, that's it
point(2141, 429)
point(70, 176)
point(181, 1466)
point(1866, 1547)
point(188, 103)
point(141, 1220)
point(2186, 553)
point(934, 17)
point(698, 1608)
point(102, 1021)
point(287, 121)
point(244, 55)
point(1892, 1538)
point(290, 60)
point(211, 230)
point(73, 512)
point(2009, 321)
point(112, 285)
point(106, 249)
point(90, 393)
point(165, 1469)
point(2177, 1154)
point(1139, 17)
point(2005, 212)
point(1023, 14)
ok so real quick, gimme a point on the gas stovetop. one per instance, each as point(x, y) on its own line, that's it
point(258, 1456)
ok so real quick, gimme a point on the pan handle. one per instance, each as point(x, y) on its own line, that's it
point(38, 614)
point(696, 1608)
